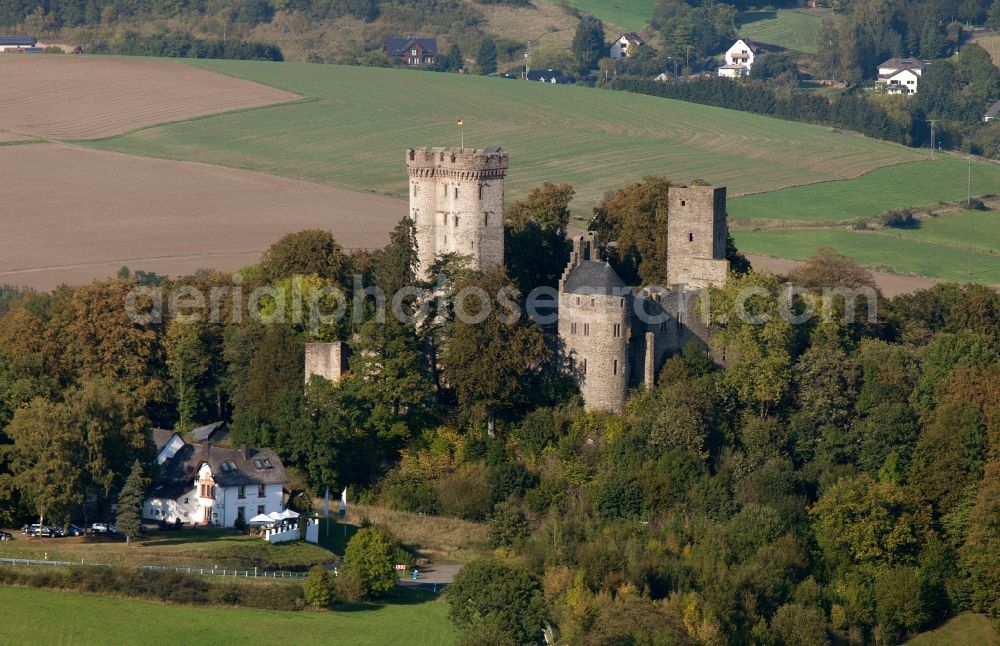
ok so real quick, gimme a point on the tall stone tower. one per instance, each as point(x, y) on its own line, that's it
point(696, 236)
point(456, 202)
point(595, 313)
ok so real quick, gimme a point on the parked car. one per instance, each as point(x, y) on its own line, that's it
point(103, 528)
point(4, 536)
point(73, 530)
point(40, 530)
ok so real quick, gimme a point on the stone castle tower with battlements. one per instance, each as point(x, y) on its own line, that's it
point(456, 203)
point(616, 337)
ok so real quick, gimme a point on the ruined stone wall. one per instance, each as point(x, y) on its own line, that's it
point(696, 236)
point(595, 332)
point(327, 360)
point(456, 202)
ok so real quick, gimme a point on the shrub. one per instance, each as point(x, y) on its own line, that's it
point(507, 525)
point(318, 590)
point(464, 493)
point(902, 219)
point(370, 557)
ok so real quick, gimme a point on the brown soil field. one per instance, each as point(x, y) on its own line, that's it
point(82, 214)
point(891, 284)
point(86, 97)
point(10, 137)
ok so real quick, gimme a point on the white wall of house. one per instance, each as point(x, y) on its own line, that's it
point(733, 72)
point(622, 48)
point(903, 82)
point(223, 509)
point(740, 54)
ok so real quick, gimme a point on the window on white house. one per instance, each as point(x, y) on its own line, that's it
point(241, 492)
point(260, 509)
point(241, 513)
point(261, 491)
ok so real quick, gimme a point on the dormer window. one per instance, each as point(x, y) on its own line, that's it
point(258, 464)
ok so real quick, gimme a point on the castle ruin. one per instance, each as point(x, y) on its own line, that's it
point(616, 337)
point(456, 203)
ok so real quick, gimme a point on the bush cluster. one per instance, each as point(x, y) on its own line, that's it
point(171, 587)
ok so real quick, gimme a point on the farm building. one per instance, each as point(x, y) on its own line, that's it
point(627, 45)
point(17, 43)
point(413, 52)
point(739, 59)
point(900, 75)
point(211, 485)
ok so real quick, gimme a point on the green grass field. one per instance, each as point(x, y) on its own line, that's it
point(966, 628)
point(47, 616)
point(630, 14)
point(791, 29)
point(979, 230)
point(922, 183)
point(355, 131)
point(877, 250)
point(992, 45)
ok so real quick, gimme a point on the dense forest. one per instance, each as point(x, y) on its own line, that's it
point(835, 480)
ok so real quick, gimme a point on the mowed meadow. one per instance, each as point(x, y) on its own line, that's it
point(354, 131)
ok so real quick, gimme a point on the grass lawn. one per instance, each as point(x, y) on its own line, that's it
point(409, 617)
point(877, 250)
point(977, 229)
point(199, 547)
point(916, 184)
point(791, 29)
point(630, 14)
point(355, 131)
point(966, 628)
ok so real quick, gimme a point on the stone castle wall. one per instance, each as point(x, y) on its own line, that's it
point(327, 360)
point(456, 202)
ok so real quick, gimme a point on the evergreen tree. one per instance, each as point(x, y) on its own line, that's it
point(588, 43)
point(130, 499)
point(487, 59)
point(318, 589)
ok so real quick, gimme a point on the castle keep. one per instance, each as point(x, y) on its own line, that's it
point(456, 203)
point(617, 337)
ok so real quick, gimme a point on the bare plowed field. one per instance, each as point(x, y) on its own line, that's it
point(73, 215)
point(83, 97)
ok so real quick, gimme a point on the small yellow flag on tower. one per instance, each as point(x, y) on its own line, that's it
point(460, 122)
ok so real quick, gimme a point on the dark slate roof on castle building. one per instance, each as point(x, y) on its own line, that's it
point(160, 437)
point(399, 46)
point(229, 468)
point(204, 433)
point(17, 41)
point(594, 277)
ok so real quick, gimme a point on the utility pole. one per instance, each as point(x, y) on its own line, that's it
point(933, 139)
point(687, 59)
point(527, 61)
point(968, 189)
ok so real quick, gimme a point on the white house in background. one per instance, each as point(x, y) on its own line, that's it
point(739, 59)
point(211, 485)
point(900, 75)
point(993, 114)
point(627, 45)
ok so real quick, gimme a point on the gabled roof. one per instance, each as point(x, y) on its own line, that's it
point(18, 41)
point(994, 111)
point(399, 46)
point(204, 433)
point(547, 76)
point(230, 468)
point(160, 437)
point(904, 64)
point(594, 277)
point(633, 37)
point(751, 45)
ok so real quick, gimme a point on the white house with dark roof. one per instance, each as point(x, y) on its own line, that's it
point(900, 75)
point(739, 59)
point(993, 113)
point(211, 485)
point(627, 45)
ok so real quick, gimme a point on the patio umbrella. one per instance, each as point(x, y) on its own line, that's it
point(289, 514)
point(260, 519)
point(275, 516)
